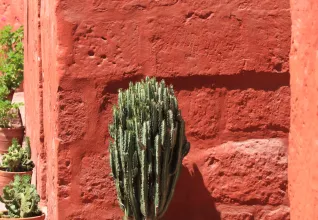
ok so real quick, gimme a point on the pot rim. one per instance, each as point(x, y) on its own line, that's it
point(35, 217)
point(10, 173)
point(12, 128)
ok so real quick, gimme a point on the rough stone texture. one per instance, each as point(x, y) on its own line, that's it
point(251, 172)
point(237, 216)
point(252, 175)
point(11, 12)
point(228, 61)
point(246, 37)
point(303, 175)
point(280, 213)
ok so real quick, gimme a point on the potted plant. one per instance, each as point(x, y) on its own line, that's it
point(16, 162)
point(10, 124)
point(5, 93)
point(21, 200)
point(147, 149)
point(11, 61)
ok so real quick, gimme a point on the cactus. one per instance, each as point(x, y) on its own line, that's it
point(18, 159)
point(147, 149)
point(20, 198)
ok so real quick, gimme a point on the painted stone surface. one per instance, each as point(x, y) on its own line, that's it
point(228, 62)
point(11, 12)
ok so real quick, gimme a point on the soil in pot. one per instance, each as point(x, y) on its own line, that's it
point(6, 136)
point(41, 217)
point(7, 177)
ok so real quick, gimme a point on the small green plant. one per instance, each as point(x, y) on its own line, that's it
point(11, 58)
point(20, 198)
point(8, 113)
point(18, 159)
point(148, 147)
point(4, 90)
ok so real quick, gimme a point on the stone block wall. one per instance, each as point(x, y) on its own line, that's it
point(228, 62)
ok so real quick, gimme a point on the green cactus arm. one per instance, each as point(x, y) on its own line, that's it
point(144, 173)
point(131, 174)
point(175, 174)
point(24, 209)
point(115, 166)
point(157, 175)
point(28, 147)
point(165, 179)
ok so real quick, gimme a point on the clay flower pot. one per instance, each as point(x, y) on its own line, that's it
point(41, 217)
point(20, 88)
point(10, 96)
point(6, 136)
point(7, 177)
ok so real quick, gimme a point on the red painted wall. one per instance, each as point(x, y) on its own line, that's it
point(303, 163)
point(33, 93)
point(11, 12)
point(228, 62)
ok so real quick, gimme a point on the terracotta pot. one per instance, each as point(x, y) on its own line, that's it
point(7, 177)
point(6, 136)
point(41, 217)
point(10, 96)
point(20, 88)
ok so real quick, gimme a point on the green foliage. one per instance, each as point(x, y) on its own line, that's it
point(8, 112)
point(4, 90)
point(148, 147)
point(11, 59)
point(18, 159)
point(20, 198)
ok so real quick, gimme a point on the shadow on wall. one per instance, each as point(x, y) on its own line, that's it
point(191, 199)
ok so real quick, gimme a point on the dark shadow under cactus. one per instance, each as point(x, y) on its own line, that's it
point(192, 200)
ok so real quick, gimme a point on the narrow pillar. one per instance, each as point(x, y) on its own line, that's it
point(303, 150)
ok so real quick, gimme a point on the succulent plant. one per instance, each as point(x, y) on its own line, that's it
point(147, 149)
point(8, 112)
point(18, 159)
point(20, 198)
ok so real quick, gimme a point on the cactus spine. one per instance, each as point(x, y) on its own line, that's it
point(148, 146)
